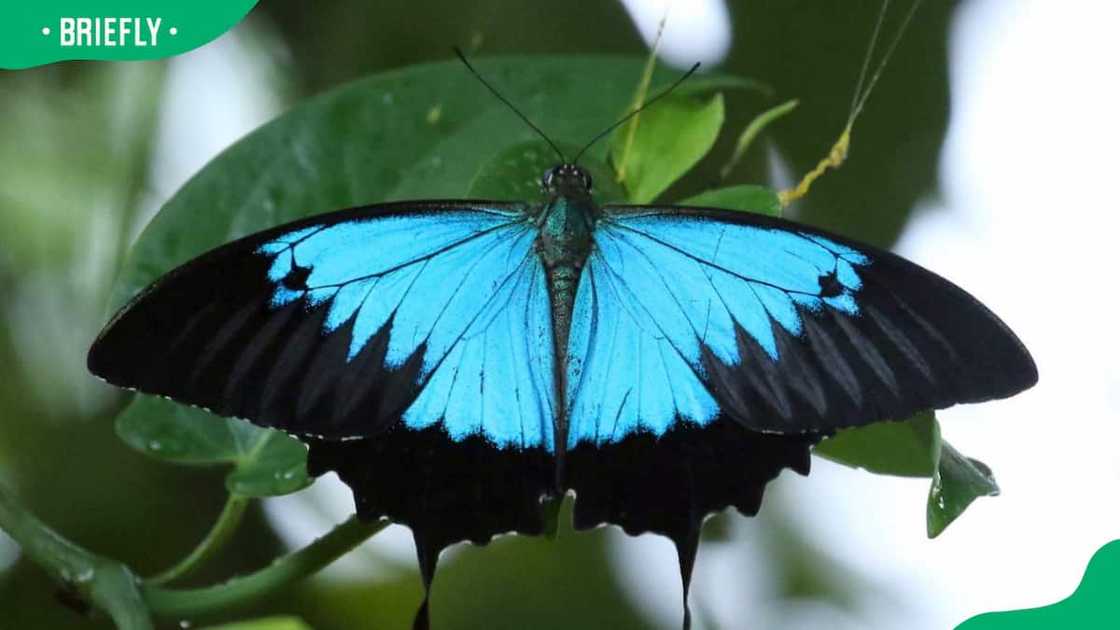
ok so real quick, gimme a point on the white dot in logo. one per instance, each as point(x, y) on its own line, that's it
point(46, 30)
point(173, 31)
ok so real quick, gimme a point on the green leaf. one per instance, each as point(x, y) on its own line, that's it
point(266, 623)
point(515, 174)
point(670, 139)
point(914, 448)
point(752, 130)
point(374, 140)
point(278, 468)
point(709, 83)
point(905, 449)
point(745, 197)
point(958, 482)
point(265, 462)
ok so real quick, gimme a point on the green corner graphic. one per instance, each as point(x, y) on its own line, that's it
point(37, 32)
point(1094, 605)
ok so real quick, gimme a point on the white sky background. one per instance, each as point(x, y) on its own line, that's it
point(1026, 222)
point(694, 30)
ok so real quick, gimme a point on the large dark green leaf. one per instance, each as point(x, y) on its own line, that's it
point(376, 140)
point(906, 449)
point(515, 174)
point(745, 197)
point(265, 462)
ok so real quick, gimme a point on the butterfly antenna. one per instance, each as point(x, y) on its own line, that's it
point(637, 111)
point(862, 100)
point(858, 92)
point(510, 105)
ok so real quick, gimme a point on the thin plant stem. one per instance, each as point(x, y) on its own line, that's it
point(751, 132)
point(219, 534)
point(242, 590)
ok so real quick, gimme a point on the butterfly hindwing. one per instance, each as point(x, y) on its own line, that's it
point(668, 483)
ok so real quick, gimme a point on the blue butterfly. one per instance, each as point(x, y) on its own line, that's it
point(457, 363)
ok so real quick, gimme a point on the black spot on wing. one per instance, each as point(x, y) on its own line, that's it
point(829, 285)
point(296, 278)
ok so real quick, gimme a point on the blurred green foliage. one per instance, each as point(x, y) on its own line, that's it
point(682, 130)
point(266, 623)
point(76, 170)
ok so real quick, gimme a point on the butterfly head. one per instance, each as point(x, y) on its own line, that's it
point(567, 180)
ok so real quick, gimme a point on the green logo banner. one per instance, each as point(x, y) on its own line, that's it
point(1093, 606)
point(36, 32)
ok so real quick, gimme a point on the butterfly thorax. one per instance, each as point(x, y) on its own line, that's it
point(566, 224)
point(563, 245)
point(565, 232)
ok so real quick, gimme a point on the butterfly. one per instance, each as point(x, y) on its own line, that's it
point(459, 363)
